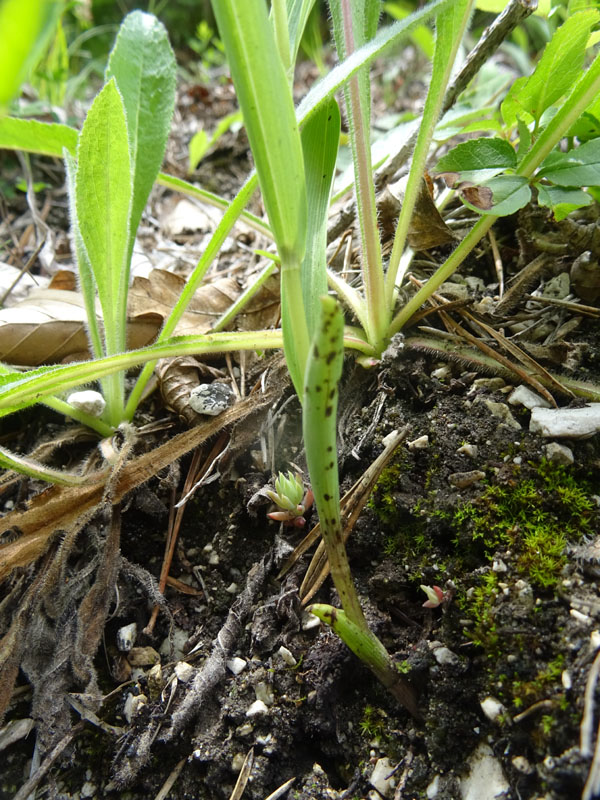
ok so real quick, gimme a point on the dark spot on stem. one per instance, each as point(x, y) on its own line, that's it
point(328, 411)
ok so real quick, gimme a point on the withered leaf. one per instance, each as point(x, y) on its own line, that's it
point(157, 294)
point(48, 327)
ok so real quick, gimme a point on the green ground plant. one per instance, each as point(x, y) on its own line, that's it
point(294, 150)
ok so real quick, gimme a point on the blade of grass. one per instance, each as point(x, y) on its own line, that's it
point(39, 383)
point(320, 140)
point(352, 26)
point(450, 26)
point(266, 102)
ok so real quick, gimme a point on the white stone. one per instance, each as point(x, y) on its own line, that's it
point(309, 621)
point(126, 637)
point(381, 779)
point(521, 764)
point(467, 449)
point(133, 703)
point(525, 397)
point(257, 707)
point(485, 780)
point(492, 708)
point(445, 657)
point(566, 680)
point(433, 788)
point(559, 454)
point(419, 444)
point(574, 423)
point(232, 588)
point(264, 693)
point(441, 373)
point(88, 789)
point(236, 665)
point(579, 617)
point(502, 412)
point(287, 656)
point(184, 671)
point(499, 566)
point(88, 401)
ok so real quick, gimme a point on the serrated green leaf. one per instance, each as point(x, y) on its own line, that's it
point(577, 167)
point(509, 194)
point(562, 200)
point(143, 66)
point(559, 66)
point(478, 155)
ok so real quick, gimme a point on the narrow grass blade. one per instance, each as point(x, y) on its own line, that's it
point(354, 22)
point(33, 386)
point(320, 141)
point(266, 101)
point(450, 27)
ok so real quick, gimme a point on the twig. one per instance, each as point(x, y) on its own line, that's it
point(31, 785)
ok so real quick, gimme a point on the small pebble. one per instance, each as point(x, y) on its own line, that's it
point(521, 764)
point(257, 707)
point(236, 665)
point(126, 637)
point(502, 412)
point(88, 401)
point(184, 671)
point(464, 479)
point(583, 618)
point(287, 656)
point(559, 454)
point(499, 566)
point(467, 449)
point(419, 444)
point(211, 399)
point(525, 397)
point(383, 779)
point(492, 708)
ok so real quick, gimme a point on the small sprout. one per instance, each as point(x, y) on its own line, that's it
point(435, 596)
point(290, 497)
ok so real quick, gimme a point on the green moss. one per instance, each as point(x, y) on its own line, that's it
point(534, 517)
point(372, 724)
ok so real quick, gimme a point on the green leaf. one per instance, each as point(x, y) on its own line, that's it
point(87, 282)
point(199, 144)
point(17, 390)
point(25, 29)
point(478, 156)
point(298, 12)
point(266, 102)
point(44, 138)
point(103, 193)
point(143, 66)
point(559, 66)
point(562, 200)
point(509, 194)
point(387, 36)
point(320, 140)
point(577, 167)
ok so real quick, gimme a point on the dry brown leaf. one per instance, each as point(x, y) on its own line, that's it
point(158, 293)
point(48, 327)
